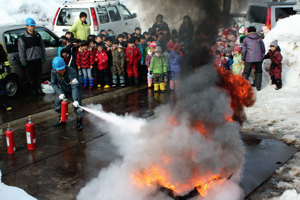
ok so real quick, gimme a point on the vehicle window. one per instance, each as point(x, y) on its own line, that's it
point(48, 39)
point(257, 14)
point(285, 12)
point(68, 16)
point(103, 15)
point(125, 12)
point(11, 39)
point(114, 13)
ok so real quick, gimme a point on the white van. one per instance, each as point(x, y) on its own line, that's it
point(266, 14)
point(105, 14)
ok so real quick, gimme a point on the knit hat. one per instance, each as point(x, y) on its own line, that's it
point(170, 44)
point(176, 47)
point(158, 49)
point(152, 45)
point(274, 44)
point(242, 30)
point(238, 48)
point(227, 50)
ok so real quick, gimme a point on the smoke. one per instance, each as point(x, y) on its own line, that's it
point(187, 143)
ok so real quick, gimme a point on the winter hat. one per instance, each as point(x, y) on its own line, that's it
point(227, 50)
point(237, 48)
point(152, 45)
point(170, 44)
point(176, 47)
point(274, 44)
point(226, 32)
point(242, 30)
point(158, 49)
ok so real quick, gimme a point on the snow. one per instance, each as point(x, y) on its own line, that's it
point(10, 192)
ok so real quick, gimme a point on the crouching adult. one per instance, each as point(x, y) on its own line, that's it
point(66, 85)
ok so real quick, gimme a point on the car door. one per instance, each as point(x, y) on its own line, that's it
point(115, 19)
point(103, 19)
point(129, 23)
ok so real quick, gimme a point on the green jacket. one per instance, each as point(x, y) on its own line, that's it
point(80, 31)
point(158, 65)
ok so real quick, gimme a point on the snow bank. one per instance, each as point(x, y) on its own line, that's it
point(13, 193)
point(278, 112)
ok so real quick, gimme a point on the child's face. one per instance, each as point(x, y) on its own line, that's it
point(236, 52)
point(100, 48)
point(129, 36)
point(125, 39)
point(103, 38)
point(143, 41)
point(138, 32)
point(148, 43)
point(115, 46)
point(273, 48)
point(152, 49)
point(165, 32)
point(64, 54)
point(155, 38)
point(160, 37)
point(147, 36)
point(131, 45)
point(109, 32)
point(137, 42)
point(64, 41)
point(227, 54)
point(91, 45)
point(98, 39)
point(84, 48)
point(177, 39)
point(168, 49)
point(120, 39)
point(223, 36)
point(109, 43)
point(218, 56)
point(68, 36)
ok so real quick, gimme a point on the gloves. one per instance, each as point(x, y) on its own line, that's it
point(76, 104)
point(62, 97)
point(44, 60)
point(25, 64)
point(150, 72)
point(8, 69)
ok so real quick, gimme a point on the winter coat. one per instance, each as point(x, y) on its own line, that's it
point(228, 63)
point(85, 59)
point(3, 61)
point(160, 27)
point(146, 54)
point(133, 56)
point(31, 47)
point(109, 55)
point(276, 66)
point(74, 52)
point(142, 53)
point(118, 57)
point(102, 60)
point(175, 61)
point(158, 65)
point(253, 49)
point(81, 31)
point(149, 58)
point(189, 29)
point(220, 62)
point(237, 65)
point(167, 56)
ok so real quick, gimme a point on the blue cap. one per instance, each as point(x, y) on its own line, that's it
point(58, 63)
point(30, 22)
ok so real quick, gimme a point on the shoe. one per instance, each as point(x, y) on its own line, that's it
point(91, 87)
point(79, 124)
point(33, 90)
point(258, 88)
point(106, 87)
point(39, 87)
point(163, 91)
point(99, 86)
point(277, 88)
point(136, 82)
point(59, 123)
point(123, 85)
point(272, 83)
point(114, 85)
point(3, 103)
point(130, 81)
point(149, 85)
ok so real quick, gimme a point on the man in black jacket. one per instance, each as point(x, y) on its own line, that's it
point(160, 25)
point(32, 54)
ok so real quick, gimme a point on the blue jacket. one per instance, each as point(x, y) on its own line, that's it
point(140, 46)
point(228, 64)
point(174, 61)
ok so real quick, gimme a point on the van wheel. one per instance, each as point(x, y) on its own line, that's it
point(12, 86)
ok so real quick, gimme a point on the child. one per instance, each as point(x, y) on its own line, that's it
point(66, 56)
point(109, 49)
point(118, 64)
point(98, 39)
point(93, 50)
point(158, 68)
point(138, 31)
point(150, 54)
point(147, 35)
point(174, 61)
point(120, 38)
point(218, 60)
point(169, 46)
point(102, 67)
point(85, 61)
point(227, 55)
point(276, 66)
point(133, 56)
point(237, 65)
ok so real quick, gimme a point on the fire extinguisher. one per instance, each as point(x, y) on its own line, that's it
point(64, 110)
point(10, 140)
point(30, 134)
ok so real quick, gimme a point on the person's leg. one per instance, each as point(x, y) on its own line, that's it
point(30, 76)
point(129, 73)
point(3, 96)
point(114, 72)
point(162, 83)
point(156, 82)
point(38, 76)
point(85, 77)
point(172, 80)
point(136, 75)
point(247, 69)
point(79, 111)
point(258, 74)
point(91, 79)
point(277, 76)
point(121, 76)
point(98, 78)
point(150, 79)
point(106, 78)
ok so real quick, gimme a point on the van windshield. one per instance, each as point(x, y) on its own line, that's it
point(68, 16)
point(257, 14)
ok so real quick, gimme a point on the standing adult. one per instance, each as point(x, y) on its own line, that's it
point(32, 54)
point(66, 85)
point(4, 67)
point(81, 28)
point(187, 27)
point(253, 52)
point(160, 25)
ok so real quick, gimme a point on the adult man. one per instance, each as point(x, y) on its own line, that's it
point(81, 28)
point(253, 51)
point(4, 65)
point(160, 25)
point(66, 85)
point(32, 54)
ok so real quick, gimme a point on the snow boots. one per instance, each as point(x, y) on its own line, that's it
point(59, 123)
point(156, 88)
point(136, 82)
point(85, 83)
point(122, 81)
point(115, 81)
point(91, 83)
point(162, 87)
point(79, 124)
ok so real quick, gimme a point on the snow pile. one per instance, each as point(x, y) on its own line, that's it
point(290, 195)
point(13, 193)
point(278, 112)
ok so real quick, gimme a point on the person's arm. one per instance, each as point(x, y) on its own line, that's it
point(278, 58)
point(105, 57)
point(73, 29)
point(78, 59)
point(54, 83)
point(75, 86)
point(139, 55)
point(151, 65)
point(142, 56)
point(22, 51)
point(122, 58)
point(244, 50)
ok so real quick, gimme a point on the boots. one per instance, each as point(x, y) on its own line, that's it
point(162, 87)
point(39, 87)
point(79, 124)
point(122, 81)
point(3, 103)
point(115, 81)
point(130, 81)
point(91, 83)
point(85, 83)
point(156, 87)
point(59, 123)
point(136, 82)
point(33, 90)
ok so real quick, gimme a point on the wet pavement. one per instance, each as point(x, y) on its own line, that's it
point(65, 160)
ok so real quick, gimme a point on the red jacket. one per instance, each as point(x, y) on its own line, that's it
point(276, 66)
point(133, 56)
point(102, 59)
point(220, 62)
point(67, 59)
point(85, 59)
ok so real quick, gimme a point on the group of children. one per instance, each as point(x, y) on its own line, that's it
point(227, 53)
point(106, 60)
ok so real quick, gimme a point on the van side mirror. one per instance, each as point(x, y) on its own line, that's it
point(134, 15)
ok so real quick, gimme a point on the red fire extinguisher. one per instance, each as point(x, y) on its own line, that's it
point(10, 140)
point(30, 134)
point(64, 110)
